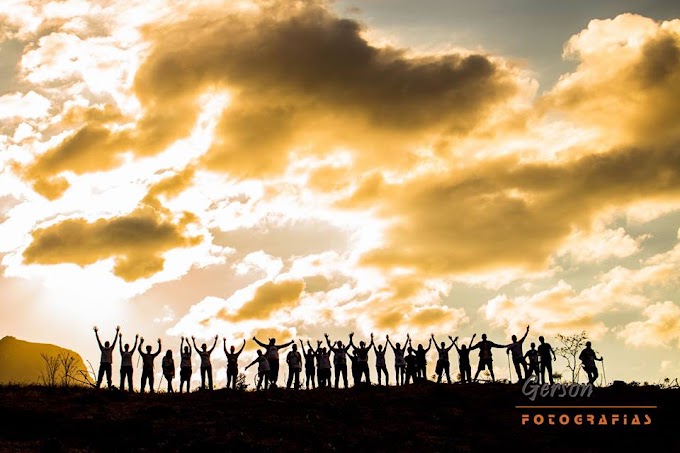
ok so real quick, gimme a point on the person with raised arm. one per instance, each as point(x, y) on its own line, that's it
point(380, 364)
point(262, 369)
point(323, 365)
point(485, 356)
point(294, 361)
point(464, 360)
point(106, 360)
point(399, 361)
point(339, 359)
point(206, 366)
point(126, 362)
point(411, 364)
point(168, 367)
point(545, 361)
point(443, 364)
point(273, 356)
point(518, 355)
point(588, 358)
point(147, 364)
point(354, 367)
point(232, 362)
point(361, 353)
point(184, 364)
point(421, 361)
point(310, 368)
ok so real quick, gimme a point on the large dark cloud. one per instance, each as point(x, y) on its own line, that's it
point(136, 241)
point(300, 78)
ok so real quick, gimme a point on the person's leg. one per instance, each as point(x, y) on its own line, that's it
point(550, 373)
point(493, 378)
point(518, 370)
point(129, 378)
point(122, 380)
point(151, 379)
point(210, 381)
point(479, 369)
point(108, 375)
point(344, 375)
point(447, 370)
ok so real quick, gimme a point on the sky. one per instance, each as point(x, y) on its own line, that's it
point(286, 169)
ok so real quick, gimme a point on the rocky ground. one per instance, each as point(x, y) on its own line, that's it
point(423, 417)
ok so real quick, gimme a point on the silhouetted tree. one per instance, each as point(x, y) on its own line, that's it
point(570, 349)
point(49, 375)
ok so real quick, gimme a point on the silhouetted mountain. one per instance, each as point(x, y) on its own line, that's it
point(21, 361)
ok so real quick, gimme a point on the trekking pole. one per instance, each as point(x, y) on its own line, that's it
point(604, 373)
point(509, 368)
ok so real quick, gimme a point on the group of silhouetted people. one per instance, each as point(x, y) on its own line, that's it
point(410, 364)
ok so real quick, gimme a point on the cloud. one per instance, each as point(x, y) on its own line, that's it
point(313, 85)
point(136, 241)
point(23, 105)
point(661, 327)
point(267, 298)
point(627, 81)
point(601, 244)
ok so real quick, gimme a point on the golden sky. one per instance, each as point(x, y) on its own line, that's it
point(290, 168)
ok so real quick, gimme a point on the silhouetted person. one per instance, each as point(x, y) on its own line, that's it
point(421, 361)
point(544, 351)
point(184, 364)
point(206, 366)
point(310, 366)
point(354, 367)
point(294, 361)
point(126, 362)
point(399, 361)
point(339, 359)
point(168, 365)
point(411, 365)
point(518, 355)
point(361, 353)
point(232, 362)
point(381, 364)
point(588, 358)
point(485, 356)
point(323, 365)
point(262, 369)
point(147, 364)
point(532, 356)
point(464, 361)
point(273, 357)
point(443, 364)
point(106, 358)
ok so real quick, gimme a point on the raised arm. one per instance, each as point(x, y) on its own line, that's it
point(159, 348)
point(371, 344)
point(456, 344)
point(224, 346)
point(429, 345)
point(435, 342)
point(193, 340)
point(115, 337)
point(285, 345)
point(351, 343)
point(213, 346)
point(134, 346)
point(452, 343)
point(302, 347)
point(96, 334)
point(120, 345)
point(387, 337)
point(139, 348)
point(243, 345)
point(259, 342)
point(525, 335)
point(472, 339)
